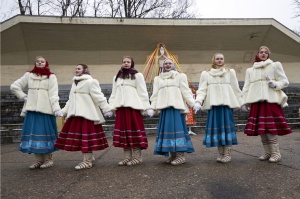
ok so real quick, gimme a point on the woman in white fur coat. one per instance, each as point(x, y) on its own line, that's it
point(262, 92)
point(170, 95)
point(219, 93)
point(39, 130)
point(129, 98)
point(82, 130)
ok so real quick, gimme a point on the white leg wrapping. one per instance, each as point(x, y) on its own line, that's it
point(221, 153)
point(127, 157)
point(39, 161)
point(137, 157)
point(48, 161)
point(267, 148)
point(180, 159)
point(227, 154)
point(171, 158)
point(87, 162)
point(275, 156)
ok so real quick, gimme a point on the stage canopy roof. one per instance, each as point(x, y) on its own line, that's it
point(68, 40)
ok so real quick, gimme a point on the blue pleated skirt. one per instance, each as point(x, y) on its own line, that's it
point(172, 133)
point(39, 133)
point(220, 128)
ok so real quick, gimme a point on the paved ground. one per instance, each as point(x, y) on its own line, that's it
point(201, 177)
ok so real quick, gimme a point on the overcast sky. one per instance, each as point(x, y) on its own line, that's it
point(281, 10)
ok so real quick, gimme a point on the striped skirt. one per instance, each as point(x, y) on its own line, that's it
point(266, 118)
point(39, 133)
point(129, 130)
point(80, 134)
point(220, 128)
point(172, 133)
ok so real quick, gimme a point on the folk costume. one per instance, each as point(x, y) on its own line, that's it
point(263, 93)
point(39, 130)
point(170, 96)
point(219, 93)
point(83, 129)
point(129, 98)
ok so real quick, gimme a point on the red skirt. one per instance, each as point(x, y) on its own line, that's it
point(80, 134)
point(129, 130)
point(266, 118)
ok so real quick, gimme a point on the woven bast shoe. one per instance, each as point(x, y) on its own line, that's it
point(275, 158)
point(48, 161)
point(36, 165)
point(264, 157)
point(226, 159)
point(267, 148)
point(134, 161)
point(170, 159)
point(47, 164)
point(137, 157)
point(127, 157)
point(180, 159)
point(39, 161)
point(83, 165)
point(227, 155)
point(124, 162)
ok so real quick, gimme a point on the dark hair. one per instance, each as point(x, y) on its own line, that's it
point(127, 73)
point(85, 69)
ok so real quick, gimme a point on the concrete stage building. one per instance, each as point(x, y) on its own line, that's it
point(102, 42)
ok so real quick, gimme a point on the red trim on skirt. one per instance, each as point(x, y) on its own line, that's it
point(80, 134)
point(129, 131)
point(266, 118)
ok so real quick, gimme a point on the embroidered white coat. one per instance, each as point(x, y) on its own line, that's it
point(42, 93)
point(219, 87)
point(170, 89)
point(85, 99)
point(256, 87)
point(129, 93)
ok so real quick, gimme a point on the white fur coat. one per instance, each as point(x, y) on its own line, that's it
point(170, 89)
point(42, 93)
point(129, 93)
point(256, 87)
point(219, 87)
point(85, 99)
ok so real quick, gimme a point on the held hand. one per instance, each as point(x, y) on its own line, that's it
point(108, 114)
point(25, 99)
point(245, 108)
point(150, 112)
point(271, 82)
point(197, 107)
point(58, 113)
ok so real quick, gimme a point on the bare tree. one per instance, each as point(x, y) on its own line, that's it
point(297, 8)
point(146, 8)
point(70, 8)
point(25, 7)
point(297, 13)
point(43, 7)
point(110, 8)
